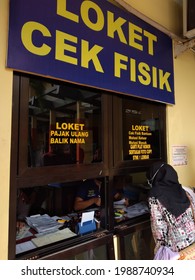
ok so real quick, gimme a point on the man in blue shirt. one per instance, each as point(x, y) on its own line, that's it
point(88, 195)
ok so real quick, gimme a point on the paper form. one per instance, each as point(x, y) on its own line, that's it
point(25, 246)
point(53, 237)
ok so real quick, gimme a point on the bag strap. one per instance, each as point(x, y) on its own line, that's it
point(191, 205)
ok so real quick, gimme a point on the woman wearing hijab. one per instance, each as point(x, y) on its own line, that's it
point(172, 220)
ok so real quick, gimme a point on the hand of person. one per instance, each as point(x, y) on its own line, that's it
point(97, 201)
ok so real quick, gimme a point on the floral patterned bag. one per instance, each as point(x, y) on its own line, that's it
point(189, 252)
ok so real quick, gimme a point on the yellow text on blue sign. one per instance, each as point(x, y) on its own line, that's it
point(117, 28)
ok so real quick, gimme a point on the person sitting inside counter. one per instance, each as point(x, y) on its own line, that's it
point(132, 195)
point(88, 195)
point(125, 190)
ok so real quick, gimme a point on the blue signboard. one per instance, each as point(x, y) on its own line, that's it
point(91, 43)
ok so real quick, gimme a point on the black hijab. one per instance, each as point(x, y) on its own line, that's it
point(167, 189)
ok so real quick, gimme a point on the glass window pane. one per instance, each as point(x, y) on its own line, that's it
point(130, 196)
point(99, 253)
point(64, 124)
point(141, 130)
point(139, 245)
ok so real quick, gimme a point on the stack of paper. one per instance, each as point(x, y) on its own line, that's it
point(136, 210)
point(42, 223)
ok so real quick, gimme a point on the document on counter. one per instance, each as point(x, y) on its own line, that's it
point(42, 223)
point(53, 237)
point(25, 246)
point(137, 209)
point(119, 203)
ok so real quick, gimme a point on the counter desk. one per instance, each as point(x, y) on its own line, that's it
point(63, 240)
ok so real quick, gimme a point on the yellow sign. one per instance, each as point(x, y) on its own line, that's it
point(68, 133)
point(139, 148)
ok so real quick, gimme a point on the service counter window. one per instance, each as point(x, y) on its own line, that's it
point(64, 124)
point(143, 123)
point(60, 212)
point(59, 175)
point(130, 196)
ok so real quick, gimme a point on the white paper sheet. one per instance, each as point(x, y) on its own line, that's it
point(87, 216)
point(25, 246)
